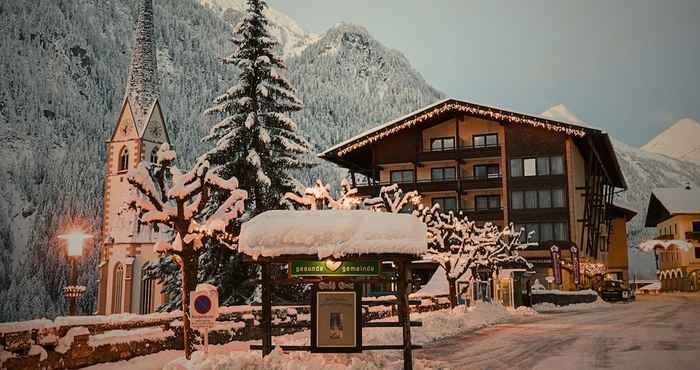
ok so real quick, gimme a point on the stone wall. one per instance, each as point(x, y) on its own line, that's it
point(74, 342)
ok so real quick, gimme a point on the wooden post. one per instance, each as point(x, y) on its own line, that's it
point(266, 310)
point(404, 313)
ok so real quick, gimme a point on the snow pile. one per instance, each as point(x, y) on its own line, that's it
point(651, 287)
point(13, 327)
point(331, 233)
point(437, 285)
point(116, 319)
point(125, 336)
point(551, 307)
point(565, 292)
point(66, 342)
point(279, 360)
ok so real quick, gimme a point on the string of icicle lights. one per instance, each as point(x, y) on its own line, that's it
point(469, 109)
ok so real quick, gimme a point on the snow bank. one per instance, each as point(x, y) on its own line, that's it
point(551, 307)
point(650, 287)
point(565, 292)
point(437, 285)
point(125, 336)
point(332, 233)
point(13, 327)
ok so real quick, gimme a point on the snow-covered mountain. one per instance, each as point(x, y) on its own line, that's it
point(643, 171)
point(291, 35)
point(680, 141)
point(64, 67)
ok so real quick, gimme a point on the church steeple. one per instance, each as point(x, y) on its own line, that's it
point(142, 83)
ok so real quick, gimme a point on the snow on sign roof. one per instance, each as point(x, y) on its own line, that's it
point(332, 233)
point(679, 200)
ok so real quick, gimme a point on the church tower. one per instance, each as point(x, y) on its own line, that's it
point(140, 130)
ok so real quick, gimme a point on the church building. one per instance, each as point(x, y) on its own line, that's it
point(140, 130)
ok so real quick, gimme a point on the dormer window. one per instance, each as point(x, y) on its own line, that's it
point(124, 159)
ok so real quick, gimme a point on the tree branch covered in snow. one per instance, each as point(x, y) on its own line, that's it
point(392, 199)
point(319, 196)
point(179, 202)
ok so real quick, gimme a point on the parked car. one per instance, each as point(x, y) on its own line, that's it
point(613, 291)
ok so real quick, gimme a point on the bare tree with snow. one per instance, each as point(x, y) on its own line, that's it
point(178, 203)
point(319, 196)
point(393, 199)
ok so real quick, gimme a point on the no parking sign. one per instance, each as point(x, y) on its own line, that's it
point(204, 306)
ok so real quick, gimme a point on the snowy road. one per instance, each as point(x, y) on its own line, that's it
point(651, 333)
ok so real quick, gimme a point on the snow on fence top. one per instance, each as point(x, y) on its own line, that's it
point(651, 245)
point(332, 233)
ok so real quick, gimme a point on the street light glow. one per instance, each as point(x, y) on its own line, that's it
point(75, 240)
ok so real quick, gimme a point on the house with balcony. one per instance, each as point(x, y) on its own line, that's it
point(675, 213)
point(552, 178)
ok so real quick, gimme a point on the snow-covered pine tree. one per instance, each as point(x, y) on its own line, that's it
point(178, 204)
point(256, 139)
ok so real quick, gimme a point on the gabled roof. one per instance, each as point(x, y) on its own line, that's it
point(617, 210)
point(444, 107)
point(667, 202)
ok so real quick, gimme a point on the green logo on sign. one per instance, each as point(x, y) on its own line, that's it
point(334, 268)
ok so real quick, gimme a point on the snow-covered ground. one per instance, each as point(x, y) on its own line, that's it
point(655, 332)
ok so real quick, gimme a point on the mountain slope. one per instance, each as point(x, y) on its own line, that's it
point(680, 141)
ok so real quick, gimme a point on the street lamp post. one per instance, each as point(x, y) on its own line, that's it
point(74, 241)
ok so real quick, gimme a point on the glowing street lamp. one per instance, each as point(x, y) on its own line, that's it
point(74, 241)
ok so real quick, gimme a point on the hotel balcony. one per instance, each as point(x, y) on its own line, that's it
point(454, 153)
point(436, 185)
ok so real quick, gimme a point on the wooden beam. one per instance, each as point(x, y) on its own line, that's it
point(266, 310)
point(377, 347)
point(258, 347)
point(404, 313)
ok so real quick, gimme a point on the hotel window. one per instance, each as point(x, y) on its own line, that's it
point(483, 202)
point(516, 167)
point(442, 173)
point(531, 199)
point(529, 167)
point(480, 141)
point(697, 252)
point(442, 143)
point(124, 159)
point(696, 226)
point(401, 176)
point(546, 232)
point(483, 171)
point(517, 201)
point(557, 165)
point(446, 203)
point(544, 198)
point(543, 166)
point(560, 232)
point(558, 198)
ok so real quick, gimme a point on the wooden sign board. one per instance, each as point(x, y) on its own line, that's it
point(332, 268)
point(336, 317)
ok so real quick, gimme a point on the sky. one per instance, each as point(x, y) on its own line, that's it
point(629, 66)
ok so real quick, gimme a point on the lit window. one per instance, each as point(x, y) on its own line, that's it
point(529, 167)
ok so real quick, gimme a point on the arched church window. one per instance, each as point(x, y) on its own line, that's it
point(147, 291)
point(124, 159)
point(117, 288)
point(154, 156)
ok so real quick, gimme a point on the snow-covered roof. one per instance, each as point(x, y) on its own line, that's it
point(438, 103)
point(679, 200)
point(332, 233)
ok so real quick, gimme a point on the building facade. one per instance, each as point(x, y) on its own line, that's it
point(675, 213)
point(552, 178)
point(127, 246)
point(617, 266)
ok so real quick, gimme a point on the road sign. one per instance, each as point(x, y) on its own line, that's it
point(204, 306)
